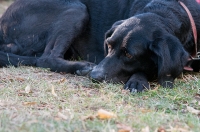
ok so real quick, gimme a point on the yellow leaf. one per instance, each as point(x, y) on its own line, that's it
point(63, 80)
point(146, 110)
point(29, 103)
point(53, 91)
point(103, 114)
point(124, 128)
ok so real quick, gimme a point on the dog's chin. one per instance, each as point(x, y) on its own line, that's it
point(114, 80)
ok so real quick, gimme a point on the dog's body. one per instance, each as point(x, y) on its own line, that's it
point(155, 43)
point(46, 33)
point(49, 33)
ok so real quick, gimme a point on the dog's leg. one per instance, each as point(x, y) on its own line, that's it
point(68, 27)
point(16, 60)
point(137, 83)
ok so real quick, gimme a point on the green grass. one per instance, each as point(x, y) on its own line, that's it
point(78, 98)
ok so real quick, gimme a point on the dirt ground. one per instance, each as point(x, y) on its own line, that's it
point(4, 5)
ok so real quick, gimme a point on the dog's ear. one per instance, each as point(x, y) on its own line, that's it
point(170, 57)
point(109, 34)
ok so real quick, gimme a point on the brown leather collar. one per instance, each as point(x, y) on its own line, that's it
point(194, 29)
point(193, 55)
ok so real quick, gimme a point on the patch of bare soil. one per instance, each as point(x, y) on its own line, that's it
point(4, 5)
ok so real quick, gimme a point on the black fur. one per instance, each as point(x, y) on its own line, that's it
point(154, 43)
point(54, 33)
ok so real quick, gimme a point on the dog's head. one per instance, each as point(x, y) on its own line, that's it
point(140, 45)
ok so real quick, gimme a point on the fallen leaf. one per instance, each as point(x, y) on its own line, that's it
point(193, 111)
point(91, 117)
point(60, 115)
point(20, 79)
point(29, 103)
point(145, 97)
point(53, 91)
point(124, 128)
point(28, 89)
point(103, 114)
point(177, 130)
point(161, 129)
point(63, 80)
point(146, 110)
point(146, 129)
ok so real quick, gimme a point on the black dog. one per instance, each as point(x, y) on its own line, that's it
point(154, 43)
point(49, 33)
point(146, 38)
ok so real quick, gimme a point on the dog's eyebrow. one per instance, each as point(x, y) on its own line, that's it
point(126, 52)
point(123, 48)
point(110, 41)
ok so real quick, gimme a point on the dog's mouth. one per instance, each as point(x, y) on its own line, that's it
point(97, 77)
point(113, 80)
point(85, 71)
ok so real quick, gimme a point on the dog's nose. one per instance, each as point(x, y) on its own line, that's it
point(96, 76)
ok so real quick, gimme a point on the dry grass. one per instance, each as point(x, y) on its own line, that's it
point(27, 103)
point(35, 99)
point(4, 5)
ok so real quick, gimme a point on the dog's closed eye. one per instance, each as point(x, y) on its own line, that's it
point(128, 55)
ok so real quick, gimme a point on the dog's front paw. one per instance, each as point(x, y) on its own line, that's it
point(137, 83)
point(86, 69)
